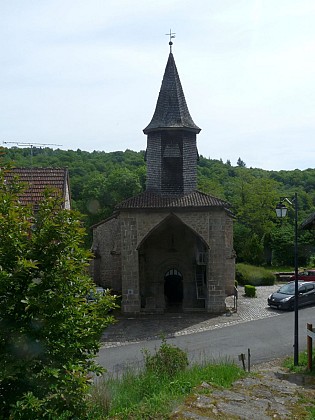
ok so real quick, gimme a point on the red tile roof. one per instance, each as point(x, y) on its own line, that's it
point(37, 180)
point(149, 200)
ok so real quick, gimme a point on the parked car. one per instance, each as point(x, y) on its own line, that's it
point(284, 297)
point(306, 275)
point(93, 295)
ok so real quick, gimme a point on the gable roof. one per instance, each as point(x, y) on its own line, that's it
point(37, 180)
point(150, 200)
point(309, 223)
point(171, 110)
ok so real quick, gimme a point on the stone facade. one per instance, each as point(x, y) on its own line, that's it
point(155, 242)
point(106, 266)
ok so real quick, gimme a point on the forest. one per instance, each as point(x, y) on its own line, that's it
point(99, 180)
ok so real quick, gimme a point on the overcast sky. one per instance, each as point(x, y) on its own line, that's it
point(86, 74)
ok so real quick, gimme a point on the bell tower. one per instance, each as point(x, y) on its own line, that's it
point(171, 153)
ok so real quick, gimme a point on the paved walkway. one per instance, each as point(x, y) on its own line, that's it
point(146, 326)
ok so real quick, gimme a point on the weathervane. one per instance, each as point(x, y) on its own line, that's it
point(171, 35)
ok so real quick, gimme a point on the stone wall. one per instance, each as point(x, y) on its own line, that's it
point(106, 246)
point(128, 264)
point(221, 266)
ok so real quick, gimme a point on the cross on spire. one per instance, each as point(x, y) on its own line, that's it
point(171, 35)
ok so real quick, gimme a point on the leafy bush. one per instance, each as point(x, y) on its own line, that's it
point(168, 360)
point(49, 334)
point(250, 291)
point(256, 276)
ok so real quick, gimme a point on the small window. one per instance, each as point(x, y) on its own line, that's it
point(173, 272)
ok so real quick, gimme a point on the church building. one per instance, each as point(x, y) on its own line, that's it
point(169, 248)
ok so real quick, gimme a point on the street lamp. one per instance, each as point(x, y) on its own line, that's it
point(281, 211)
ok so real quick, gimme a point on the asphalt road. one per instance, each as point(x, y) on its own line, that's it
point(267, 339)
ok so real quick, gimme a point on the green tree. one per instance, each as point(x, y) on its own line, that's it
point(254, 203)
point(209, 186)
point(241, 163)
point(283, 239)
point(122, 184)
point(49, 334)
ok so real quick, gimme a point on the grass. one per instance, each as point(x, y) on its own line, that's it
point(154, 396)
point(302, 366)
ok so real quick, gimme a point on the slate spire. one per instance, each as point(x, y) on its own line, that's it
point(171, 110)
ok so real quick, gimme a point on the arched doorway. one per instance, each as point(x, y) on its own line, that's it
point(173, 288)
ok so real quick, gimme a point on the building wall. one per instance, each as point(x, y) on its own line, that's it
point(67, 203)
point(221, 261)
point(106, 266)
point(129, 263)
point(140, 281)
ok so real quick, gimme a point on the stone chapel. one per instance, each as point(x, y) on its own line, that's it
point(169, 248)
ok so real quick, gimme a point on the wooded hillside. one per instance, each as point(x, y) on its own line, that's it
point(99, 180)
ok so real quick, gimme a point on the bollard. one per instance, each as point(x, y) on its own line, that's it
point(242, 357)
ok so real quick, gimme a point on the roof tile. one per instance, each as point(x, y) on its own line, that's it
point(149, 200)
point(37, 180)
point(171, 108)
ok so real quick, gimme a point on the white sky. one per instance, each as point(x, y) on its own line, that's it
point(86, 74)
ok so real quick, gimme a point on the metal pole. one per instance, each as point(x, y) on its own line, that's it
point(296, 291)
point(309, 341)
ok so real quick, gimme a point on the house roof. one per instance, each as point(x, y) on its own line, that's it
point(149, 200)
point(309, 223)
point(171, 110)
point(37, 180)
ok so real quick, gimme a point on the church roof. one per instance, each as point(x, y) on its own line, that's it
point(171, 110)
point(150, 200)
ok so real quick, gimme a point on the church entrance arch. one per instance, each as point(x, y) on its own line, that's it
point(173, 288)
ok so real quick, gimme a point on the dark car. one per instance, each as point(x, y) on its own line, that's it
point(284, 297)
point(306, 275)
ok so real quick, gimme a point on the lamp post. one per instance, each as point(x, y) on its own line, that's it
point(281, 211)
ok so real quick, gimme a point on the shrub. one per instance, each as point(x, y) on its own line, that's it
point(49, 334)
point(250, 291)
point(168, 360)
point(256, 276)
